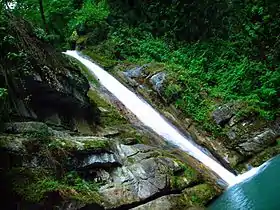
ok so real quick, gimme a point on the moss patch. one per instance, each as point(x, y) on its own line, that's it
point(184, 177)
point(35, 184)
point(102, 61)
point(109, 114)
point(73, 145)
point(96, 144)
point(199, 195)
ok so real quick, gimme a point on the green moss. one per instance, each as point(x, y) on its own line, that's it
point(183, 178)
point(34, 186)
point(90, 77)
point(109, 116)
point(61, 144)
point(200, 195)
point(103, 61)
point(154, 68)
point(82, 39)
point(96, 144)
point(71, 145)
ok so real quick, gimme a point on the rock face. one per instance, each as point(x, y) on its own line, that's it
point(247, 136)
point(43, 85)
point(47, 162)
point(127, 176)
point(223, 114)
point(251, 137)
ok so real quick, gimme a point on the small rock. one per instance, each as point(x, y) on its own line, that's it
point(157, 81)
point(223, 114)
point(136, 72)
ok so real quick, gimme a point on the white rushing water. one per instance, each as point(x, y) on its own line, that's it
point(151, 118)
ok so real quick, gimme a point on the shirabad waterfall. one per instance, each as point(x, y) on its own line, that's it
point(151, 118)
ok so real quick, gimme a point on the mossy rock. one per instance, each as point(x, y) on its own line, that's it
point(102, 61)
point(109, 115)
point(90, 77)
point(75, 144)
point(34, 185)
point(29, 129)
point(199, 195)
point(81, 40)
point(265, 155)
point(184, 177)
point(154, 68)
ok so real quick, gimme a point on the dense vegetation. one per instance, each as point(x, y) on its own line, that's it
point(215, 51)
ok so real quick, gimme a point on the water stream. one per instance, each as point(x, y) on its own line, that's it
point(151, 118)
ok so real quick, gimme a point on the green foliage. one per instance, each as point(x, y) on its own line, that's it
point(90, 13)
point(3, 93)
point(184, 177)
point(34, 185)
point(200, 194)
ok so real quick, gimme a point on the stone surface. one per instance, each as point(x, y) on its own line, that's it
point(136, 72)
point(142, 176)
point(229, 156)
point(255, 142)
point(168, 202)
point(26, 127)
point(99, 160)
point(157, 81)
point(191, 199)
point(46, 84)
point(223, 114)
point(130, 174)
point(13, 143)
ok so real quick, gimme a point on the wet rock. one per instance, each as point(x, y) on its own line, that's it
point(50, 84)
point(251, 136)
point(109, 132)
point(166, 202)
point(125, 151)
point(33, 128)
point(157, 81)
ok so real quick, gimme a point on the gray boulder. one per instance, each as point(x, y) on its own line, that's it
point(157, 81)
point(252, 136)
point(223, 114)
point(142, 176)
point(136, 72)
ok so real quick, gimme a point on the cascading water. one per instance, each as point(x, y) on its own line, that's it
point(153, 119)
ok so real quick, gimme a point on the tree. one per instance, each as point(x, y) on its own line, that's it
point(43, 15)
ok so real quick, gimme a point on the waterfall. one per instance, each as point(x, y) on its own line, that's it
point(151, 118)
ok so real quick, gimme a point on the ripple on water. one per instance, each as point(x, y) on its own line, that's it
point(258, 192)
